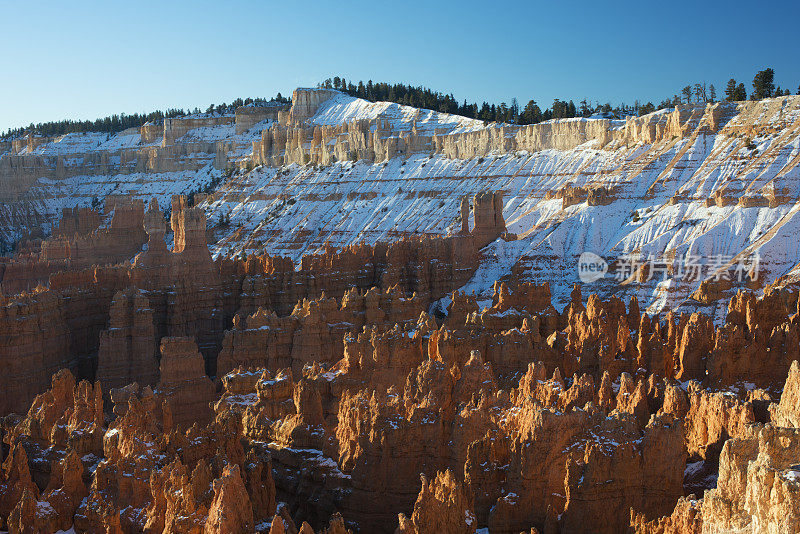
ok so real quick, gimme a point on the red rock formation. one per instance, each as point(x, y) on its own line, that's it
point(34, 344)
point(756, 345)
point(127, 351)
point(186, 389)
point(178, 498)
point(17, 486)
point(787, 412)
point(156, 478)
point(231, 510)
point(553, 421)
point(77, 221)
point(183, 286)
point(693, 347)
point(120, 240)
point(592, 498)
point(314, 331)
point(54, 509)
point(487, 209)
point(63, 432)
point(758, 486)
point(441, 506)
point(598, 338)
point(713, 418)
point(686, 518)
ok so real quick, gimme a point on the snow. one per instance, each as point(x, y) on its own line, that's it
point(792, 475)
point(692, 468)
point(209, 133)
point(330, 206)
point(297, 210)
point(342, 108)
point(469, 519)
point(49, 197)
point(44, 508)
point(316, 456)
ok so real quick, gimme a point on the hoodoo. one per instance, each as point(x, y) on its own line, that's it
point(338, 314)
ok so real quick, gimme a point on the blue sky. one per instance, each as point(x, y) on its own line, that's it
point(83, 60)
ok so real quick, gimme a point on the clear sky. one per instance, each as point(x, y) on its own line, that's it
point(85, 59)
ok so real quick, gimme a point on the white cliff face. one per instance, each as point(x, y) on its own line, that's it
point(717, 185)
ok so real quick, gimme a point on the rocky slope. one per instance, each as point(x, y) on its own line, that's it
point(518, 417)
point(377, 328)
point(695, 192)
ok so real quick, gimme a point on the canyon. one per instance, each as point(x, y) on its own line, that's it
point(349, 316)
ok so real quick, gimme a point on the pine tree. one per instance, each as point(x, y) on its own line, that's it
point(700, 93)
point(514, 110)
point(486, 114)
point(730, 90)
point(531, 114)
point(687, 93)
point(712, 93)
point(502, 112)
point(741, 92)
point(763, 84)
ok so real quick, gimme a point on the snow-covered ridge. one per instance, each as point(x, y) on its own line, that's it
point(724, 196)
point(343, 108)
point(718, 181)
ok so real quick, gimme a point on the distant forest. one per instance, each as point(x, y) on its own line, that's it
point(763, 86)
point(531, 113)
point(117, 123)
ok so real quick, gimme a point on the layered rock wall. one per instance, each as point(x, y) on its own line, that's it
point(67, 250)
point(183, 383)
point(127, 350)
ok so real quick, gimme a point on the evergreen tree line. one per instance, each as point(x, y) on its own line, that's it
point(531, 113)
point(763, 87)
point(421, 97)
point(117, 123)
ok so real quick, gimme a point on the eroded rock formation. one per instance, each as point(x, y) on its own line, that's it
point(361, 383)
point(341, 405)
point(186, 389)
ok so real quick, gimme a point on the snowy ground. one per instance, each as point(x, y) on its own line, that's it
point(659, 207)
point(298, 209)
point(343, 108)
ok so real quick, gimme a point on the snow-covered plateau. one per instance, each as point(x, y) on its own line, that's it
point(698, 193)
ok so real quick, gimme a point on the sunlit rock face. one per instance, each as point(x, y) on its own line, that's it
point(367, 317)
point(513, 417)
point(681, 199)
